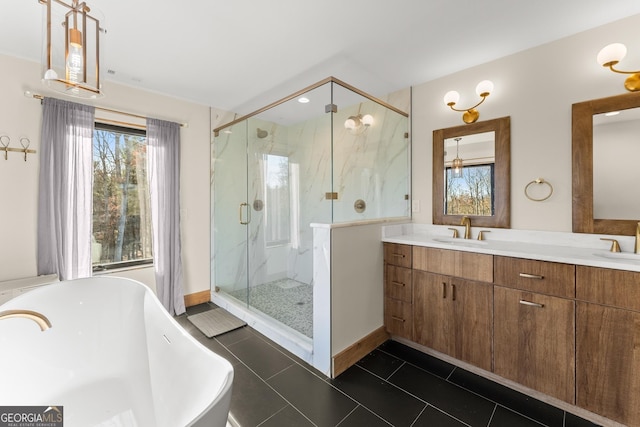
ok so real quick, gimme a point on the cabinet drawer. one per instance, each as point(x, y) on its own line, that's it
point(396, 254)
point(398, 318)
point(467, 265)
point(550, 278)
point(397, 283)
point(617, 288)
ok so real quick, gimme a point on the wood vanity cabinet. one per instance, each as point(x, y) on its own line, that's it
point(398, 292)
point(534, 332)
point(608, 343)
point(453, 315)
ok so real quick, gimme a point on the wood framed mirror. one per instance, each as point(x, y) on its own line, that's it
point(496, 196)
point(598, 180)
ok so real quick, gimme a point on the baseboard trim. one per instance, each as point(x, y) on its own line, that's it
point(197, 298)
point(356, 351)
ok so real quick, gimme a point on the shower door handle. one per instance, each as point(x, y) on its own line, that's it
point(248, 214)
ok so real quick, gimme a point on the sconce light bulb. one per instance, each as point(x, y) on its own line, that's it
point(367, 120)
point(484, 88)
point(350, 123)
point(451, 98)
point(611, 54)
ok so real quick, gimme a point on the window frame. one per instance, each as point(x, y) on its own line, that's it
point(119, 265)
point(492, 171)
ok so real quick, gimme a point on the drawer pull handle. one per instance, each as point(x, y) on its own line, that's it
point(453, 292)
point(531, 276)
point(399, 255)
point(399, 319)
point(444, 289)
point(398, 284)
point(531, 304)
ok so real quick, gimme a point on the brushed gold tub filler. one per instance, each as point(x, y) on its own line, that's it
point(40, 319)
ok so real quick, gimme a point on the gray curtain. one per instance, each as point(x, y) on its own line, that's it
point(65, 189)
point(163, 157)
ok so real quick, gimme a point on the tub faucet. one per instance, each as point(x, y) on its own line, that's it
point(40, 319)
point(466, 221)
point(637, 247)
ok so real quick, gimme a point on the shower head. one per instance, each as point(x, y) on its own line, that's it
point(262, 133)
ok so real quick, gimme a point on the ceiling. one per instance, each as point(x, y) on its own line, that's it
point(241, 55)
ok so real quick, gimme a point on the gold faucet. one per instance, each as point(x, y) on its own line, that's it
point(466, 221)
point(637, 247)
point(40, 319)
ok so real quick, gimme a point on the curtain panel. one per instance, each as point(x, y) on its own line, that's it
point(163, 157)
point(65, 189)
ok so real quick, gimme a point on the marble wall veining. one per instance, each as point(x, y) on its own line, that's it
point(323, 157)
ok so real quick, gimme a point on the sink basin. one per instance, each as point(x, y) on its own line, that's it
point(461, 242)
point(619, 255)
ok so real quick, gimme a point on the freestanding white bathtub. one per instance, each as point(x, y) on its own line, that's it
point(113, 357)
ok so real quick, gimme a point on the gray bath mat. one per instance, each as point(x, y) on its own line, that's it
point(215, 322)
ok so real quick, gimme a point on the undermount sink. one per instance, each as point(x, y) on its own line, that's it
point(619, 255)
point(458, 241)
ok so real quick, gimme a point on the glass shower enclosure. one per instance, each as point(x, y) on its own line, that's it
point(327, 154)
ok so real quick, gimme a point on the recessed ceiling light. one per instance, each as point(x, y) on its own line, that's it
point(612, 113)
point(303, 100)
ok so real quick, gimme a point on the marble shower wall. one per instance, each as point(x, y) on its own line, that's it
point(372, 166)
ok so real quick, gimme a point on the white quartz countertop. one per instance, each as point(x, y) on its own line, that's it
point(569, 248)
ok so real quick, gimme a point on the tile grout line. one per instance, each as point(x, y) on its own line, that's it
point(325, 381)
point(492, 415)
point(447, 379)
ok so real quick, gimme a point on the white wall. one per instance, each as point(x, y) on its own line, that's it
point(21, 116)
point(536, 88)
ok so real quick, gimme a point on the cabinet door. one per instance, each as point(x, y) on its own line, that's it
point(534, 341)
point(608, 362)
point(453, 316)
point(471, 321)
point(431, 294)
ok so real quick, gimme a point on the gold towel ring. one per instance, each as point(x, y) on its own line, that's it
point(538, 181)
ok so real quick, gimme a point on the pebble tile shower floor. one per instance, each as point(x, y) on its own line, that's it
point(287, 301)
point(394, 385)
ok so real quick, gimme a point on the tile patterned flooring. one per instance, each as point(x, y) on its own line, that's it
point(394, 385)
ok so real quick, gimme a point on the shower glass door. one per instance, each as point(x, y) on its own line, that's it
point(230, 210)
point(271, 175)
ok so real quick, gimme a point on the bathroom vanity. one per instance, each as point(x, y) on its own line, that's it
point(553, 312)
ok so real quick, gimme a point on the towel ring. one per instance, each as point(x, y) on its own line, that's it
point(538, 181)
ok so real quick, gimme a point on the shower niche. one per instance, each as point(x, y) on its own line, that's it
point(282, 178)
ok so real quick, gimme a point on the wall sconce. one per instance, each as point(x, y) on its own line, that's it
point(456, 165)
point(470, 115)
point(358, 124)
point(71, 59)
point(612, 54)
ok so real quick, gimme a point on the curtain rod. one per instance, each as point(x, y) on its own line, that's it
point(30, 94)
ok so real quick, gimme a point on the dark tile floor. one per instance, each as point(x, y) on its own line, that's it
point(394, 385)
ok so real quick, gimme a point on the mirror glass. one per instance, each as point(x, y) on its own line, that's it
point(605, 154)
point(469, 188)
point(616, 153)
point(481, 190)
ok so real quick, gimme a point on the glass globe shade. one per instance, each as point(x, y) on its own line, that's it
point(611, 53)
point(451, 97)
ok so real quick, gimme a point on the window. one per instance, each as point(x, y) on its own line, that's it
point(121, 213)
point(277, 224)
point(472, 193)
